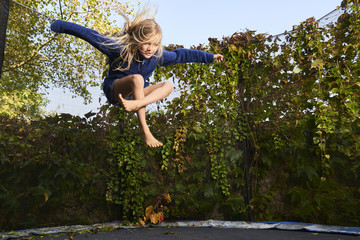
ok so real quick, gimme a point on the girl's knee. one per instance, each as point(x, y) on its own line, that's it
point(169, 86)
point(137, 80)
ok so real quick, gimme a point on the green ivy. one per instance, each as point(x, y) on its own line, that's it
point(125, 187)
point(282, 112)
point(53, 171)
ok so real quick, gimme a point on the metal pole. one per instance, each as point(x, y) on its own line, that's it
point(246, 151)
point(4, 16)
point(248, 181)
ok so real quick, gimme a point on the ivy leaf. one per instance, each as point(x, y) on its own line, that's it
point(234, 155)
point(317, 63)
point(322, 146)
point(160, 216)
point(148, 211)
point(208, 191)
point(334, 90)
point(167, 197)
point(310, 172)
point(296, 70)
point(46, 197)
point(154, 218)
point(142, 222)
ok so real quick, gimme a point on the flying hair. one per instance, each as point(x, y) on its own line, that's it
point(140, 30)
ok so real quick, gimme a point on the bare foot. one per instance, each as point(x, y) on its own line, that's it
point(129, 105)
point(150, 140)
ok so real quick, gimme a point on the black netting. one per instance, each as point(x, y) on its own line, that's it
point(324, 21)
point(4, 14)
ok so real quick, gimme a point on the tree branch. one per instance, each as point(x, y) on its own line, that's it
point(31, 56)
point(35, 52)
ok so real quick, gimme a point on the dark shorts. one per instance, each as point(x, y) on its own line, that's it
point(111, 95)
point(109, 92)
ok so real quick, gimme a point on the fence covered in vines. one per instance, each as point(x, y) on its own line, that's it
point(272, 133)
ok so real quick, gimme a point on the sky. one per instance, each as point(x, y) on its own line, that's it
point(192, 22)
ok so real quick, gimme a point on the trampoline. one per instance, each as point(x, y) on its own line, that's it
point(210, 229)
point(209, 233)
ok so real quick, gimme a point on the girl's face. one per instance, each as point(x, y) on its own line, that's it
point(149, 49)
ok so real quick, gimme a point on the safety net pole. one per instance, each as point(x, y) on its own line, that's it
point(4, 15)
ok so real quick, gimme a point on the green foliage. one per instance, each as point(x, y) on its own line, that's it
point(296, 102)
point(53, 171)
point(125, 187)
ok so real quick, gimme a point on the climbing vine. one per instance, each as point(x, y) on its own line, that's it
point(272, 132)
point(291, 102)
point(124, 188)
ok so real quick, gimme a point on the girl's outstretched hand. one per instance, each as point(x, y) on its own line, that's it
point(218, 58)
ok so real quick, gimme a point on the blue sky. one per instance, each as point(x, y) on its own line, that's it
point(191, 22)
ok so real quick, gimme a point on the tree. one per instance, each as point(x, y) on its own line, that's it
point(37, 59)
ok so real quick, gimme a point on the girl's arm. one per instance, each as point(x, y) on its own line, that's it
point(182, 55)
point(99, 41)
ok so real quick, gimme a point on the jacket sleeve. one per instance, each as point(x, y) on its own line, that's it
point(182, 55)
point(100, 42)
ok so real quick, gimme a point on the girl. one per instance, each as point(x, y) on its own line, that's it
point(133, 56)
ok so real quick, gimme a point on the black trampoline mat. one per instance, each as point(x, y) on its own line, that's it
point(189, 233)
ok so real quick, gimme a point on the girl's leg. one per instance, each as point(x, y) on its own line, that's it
point(152, 94)
point(163, 88)
point(135, 84)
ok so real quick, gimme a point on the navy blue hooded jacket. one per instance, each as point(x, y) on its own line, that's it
point(145, 68)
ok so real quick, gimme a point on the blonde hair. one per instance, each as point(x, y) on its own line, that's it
point(142, 29)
